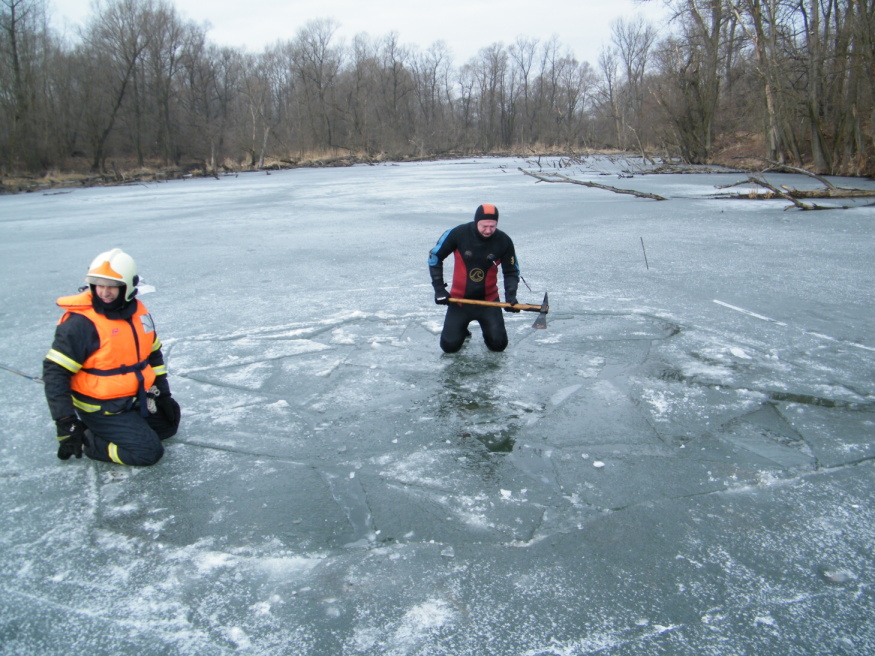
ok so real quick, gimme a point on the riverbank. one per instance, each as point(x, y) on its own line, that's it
point(122, 173)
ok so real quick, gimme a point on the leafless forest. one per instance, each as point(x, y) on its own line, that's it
point(792, 81)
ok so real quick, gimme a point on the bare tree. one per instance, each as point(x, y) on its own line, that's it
point(396, 89)
point(162, 64)
point(114, 42)
point(522, 56)
point(762, 21)
point(576, 82)
point(21, 62)
point(357, 91)
point(633, 40)
point(466, 103)
point(318, 62)
point(490, 69)
point(855, 44)
point(434, 94)
point(609, 94)
point(688, 85)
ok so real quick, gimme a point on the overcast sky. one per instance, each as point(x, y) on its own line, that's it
point(465, 25)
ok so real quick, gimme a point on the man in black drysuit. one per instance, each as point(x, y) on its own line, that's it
point(479, 248)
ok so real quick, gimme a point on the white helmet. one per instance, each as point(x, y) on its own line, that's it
point(114, 268)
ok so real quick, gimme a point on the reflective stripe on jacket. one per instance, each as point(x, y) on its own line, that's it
point(120, 367)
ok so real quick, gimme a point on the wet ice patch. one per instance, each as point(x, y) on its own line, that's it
point(419, 469)
point(708, 371)
point(321, 366)
point(251, 376)
point(231, 415)
point(592, 367)
point(196, 355)
point(559, 397)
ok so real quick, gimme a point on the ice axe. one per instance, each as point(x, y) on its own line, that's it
point(542, 309)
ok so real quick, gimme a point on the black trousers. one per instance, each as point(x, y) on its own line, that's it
point(456, 322)
point(126, 438)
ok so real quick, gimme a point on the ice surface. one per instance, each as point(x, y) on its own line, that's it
point(682, 463)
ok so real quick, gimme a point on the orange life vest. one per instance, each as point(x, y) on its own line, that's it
point(120, 367)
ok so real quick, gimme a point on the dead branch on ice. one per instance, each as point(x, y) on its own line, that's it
point(773, 165)
point(783, 193)
point(558, 177)
point(794, 195)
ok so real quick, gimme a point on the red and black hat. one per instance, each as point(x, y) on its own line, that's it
point(486, 211)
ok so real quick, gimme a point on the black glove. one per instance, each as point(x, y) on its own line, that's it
point(169, 409)
point(512, 300)
point(441, 295)
point(71, 435)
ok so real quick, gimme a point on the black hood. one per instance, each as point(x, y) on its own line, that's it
point(118, 309)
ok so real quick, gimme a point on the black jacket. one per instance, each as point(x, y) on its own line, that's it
point(477, 260)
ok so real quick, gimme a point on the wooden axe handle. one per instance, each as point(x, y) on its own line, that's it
point(518, 306)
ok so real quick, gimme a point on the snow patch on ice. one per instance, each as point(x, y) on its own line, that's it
point(124, 509)
point(768, 620)
point(473, 510)
point(739, 353)
point(409, 633)
point(287, 566)
point(598, 641)
point(238, 636)
point(341, 336)
point(208, 561)
point(419, 622)
point(659, 401)
point(418, 469)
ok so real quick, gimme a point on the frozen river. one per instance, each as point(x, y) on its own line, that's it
point(682, 463)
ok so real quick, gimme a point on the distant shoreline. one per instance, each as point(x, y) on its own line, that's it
point(60, 181)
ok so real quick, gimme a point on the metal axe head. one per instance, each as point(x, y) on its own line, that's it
point(541, 321)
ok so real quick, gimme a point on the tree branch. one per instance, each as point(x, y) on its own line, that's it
point(558, 177)
point(785, 167)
